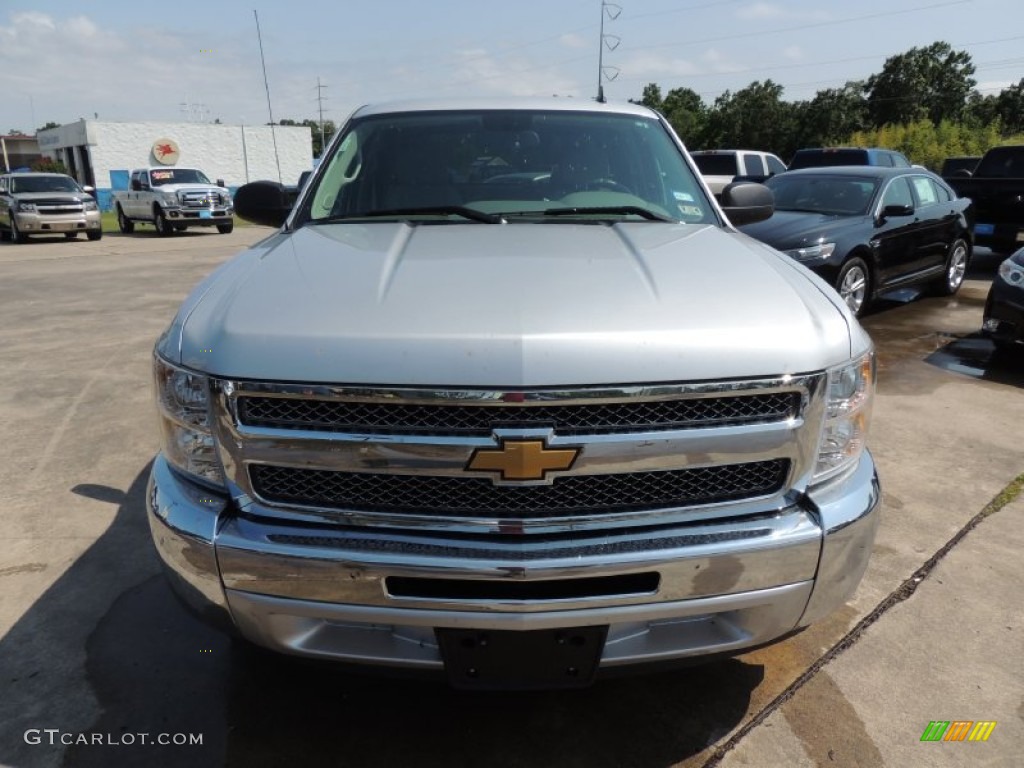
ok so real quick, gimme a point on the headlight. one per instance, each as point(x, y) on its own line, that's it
point(851, 391)
point(1012, 272)
point(818, 252)
point(27, 207)
point(183, 401)
point(170, 198)
point(90, 205)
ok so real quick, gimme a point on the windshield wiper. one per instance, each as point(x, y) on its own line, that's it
point(439, 210)
point(611, 210)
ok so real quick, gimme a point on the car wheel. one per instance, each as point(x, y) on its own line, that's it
point(16, 234)
point(225, 229)
point(126, 225)
point(163, 227)
point(94, 234)
point(180, 227)
point(854, 285)
point(956, 268)
point(5, 235)
point(70, 235)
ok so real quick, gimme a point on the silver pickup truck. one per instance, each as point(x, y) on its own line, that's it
point(508, 397)
point(173, 199)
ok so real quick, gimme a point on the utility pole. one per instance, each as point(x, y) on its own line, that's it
point(612, 11)
point(320, 102)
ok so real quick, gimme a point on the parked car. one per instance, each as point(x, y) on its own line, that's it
point(173, 199)
point(511, 430)
point(46, 204)
point(997, 189)
point(720, 167)
point(820, 157)
point(867, 230)
point(959, 166)
point(1003, 320)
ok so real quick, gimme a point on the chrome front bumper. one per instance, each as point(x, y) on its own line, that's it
point(719, 586)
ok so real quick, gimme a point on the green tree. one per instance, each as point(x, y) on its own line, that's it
point(932, 82)
point(48, 126)
point(831, 116)
point(1010, 107)
point(651, 97)
point(685, 111)
point(752, 118)
point(47, 165)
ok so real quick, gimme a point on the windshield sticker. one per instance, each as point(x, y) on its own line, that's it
point(683, 196)
point(691, 210)
point(162, 175)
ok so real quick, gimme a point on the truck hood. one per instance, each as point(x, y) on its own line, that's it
point(517, 305)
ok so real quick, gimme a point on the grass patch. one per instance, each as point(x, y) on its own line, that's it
point(109, 219)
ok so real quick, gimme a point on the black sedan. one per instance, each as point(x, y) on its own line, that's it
point(1004, 310)
point(869, 230)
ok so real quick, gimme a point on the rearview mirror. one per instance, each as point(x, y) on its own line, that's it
point(264, 202)
point(746, 202)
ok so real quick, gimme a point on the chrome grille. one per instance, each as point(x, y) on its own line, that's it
point(199, 199)
point(480, 420)
point(473, 496)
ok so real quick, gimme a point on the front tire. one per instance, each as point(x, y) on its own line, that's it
point(854, 285)
point(17, 235)
point(956, 268)
point(225, 229)
point(94, 234)
point(163, 227)
point(126, 225)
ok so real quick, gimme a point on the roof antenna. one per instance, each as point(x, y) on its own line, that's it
point(612, 11)
point(266, 85)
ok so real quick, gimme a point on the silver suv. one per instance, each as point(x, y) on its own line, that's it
point(46, 204)
point(508, 397)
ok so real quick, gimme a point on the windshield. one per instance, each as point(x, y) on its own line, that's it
point(511, 164)
point(827, 194)
point(819, 158)
point(44, 184)
point(178, 176)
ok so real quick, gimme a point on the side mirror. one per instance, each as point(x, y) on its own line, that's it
point(89, 190)
point(220, 182)
point(263, 202)
point(890, 211)
point(746, 202)
point(136, 185)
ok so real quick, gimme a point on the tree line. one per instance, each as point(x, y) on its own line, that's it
point(923, 103)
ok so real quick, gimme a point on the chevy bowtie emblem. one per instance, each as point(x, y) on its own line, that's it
point(522, 459)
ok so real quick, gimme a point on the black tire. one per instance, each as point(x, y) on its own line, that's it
point(126, 225)
point(17, 236)
point(225, 229)
point(163, 227)
point(180, 227)
point(854, 285)
point(94, 234)
point(70, 235)
point(5, 235)
point(957, 261)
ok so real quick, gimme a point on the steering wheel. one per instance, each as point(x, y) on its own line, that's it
point(609, 184)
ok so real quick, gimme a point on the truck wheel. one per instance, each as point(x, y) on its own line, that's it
point(854, 285)
point(126, 225)
point(16, 234)
point(163, 227)
point(956, 267)
point(5, 235)
point(225, 229)
point(94, 234)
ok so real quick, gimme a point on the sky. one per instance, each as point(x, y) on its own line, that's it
point(185, 60)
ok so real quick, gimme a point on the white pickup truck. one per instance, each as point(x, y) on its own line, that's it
point(173, 199)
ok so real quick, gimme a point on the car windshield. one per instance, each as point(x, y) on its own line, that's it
point(827, 194)
point(819, 158)
point(511, 165)
point(44, 184)
point(178, 176)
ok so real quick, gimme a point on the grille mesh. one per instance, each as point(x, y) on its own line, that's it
point(597, 418)
point(472, 496)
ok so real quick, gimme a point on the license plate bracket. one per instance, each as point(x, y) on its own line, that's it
point(528, 660)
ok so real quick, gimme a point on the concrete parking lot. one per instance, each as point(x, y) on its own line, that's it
point(92, 641)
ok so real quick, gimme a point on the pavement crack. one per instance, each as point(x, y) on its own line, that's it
point(897, 596)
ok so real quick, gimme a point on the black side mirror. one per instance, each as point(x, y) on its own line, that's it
point(264, 202)
point(136, 185)
point(890, 211)
point(746, 202)
point(220, 182)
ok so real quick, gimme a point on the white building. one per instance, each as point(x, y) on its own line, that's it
point(101, 154)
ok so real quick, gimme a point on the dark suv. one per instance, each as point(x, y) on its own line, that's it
point(823, 156)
